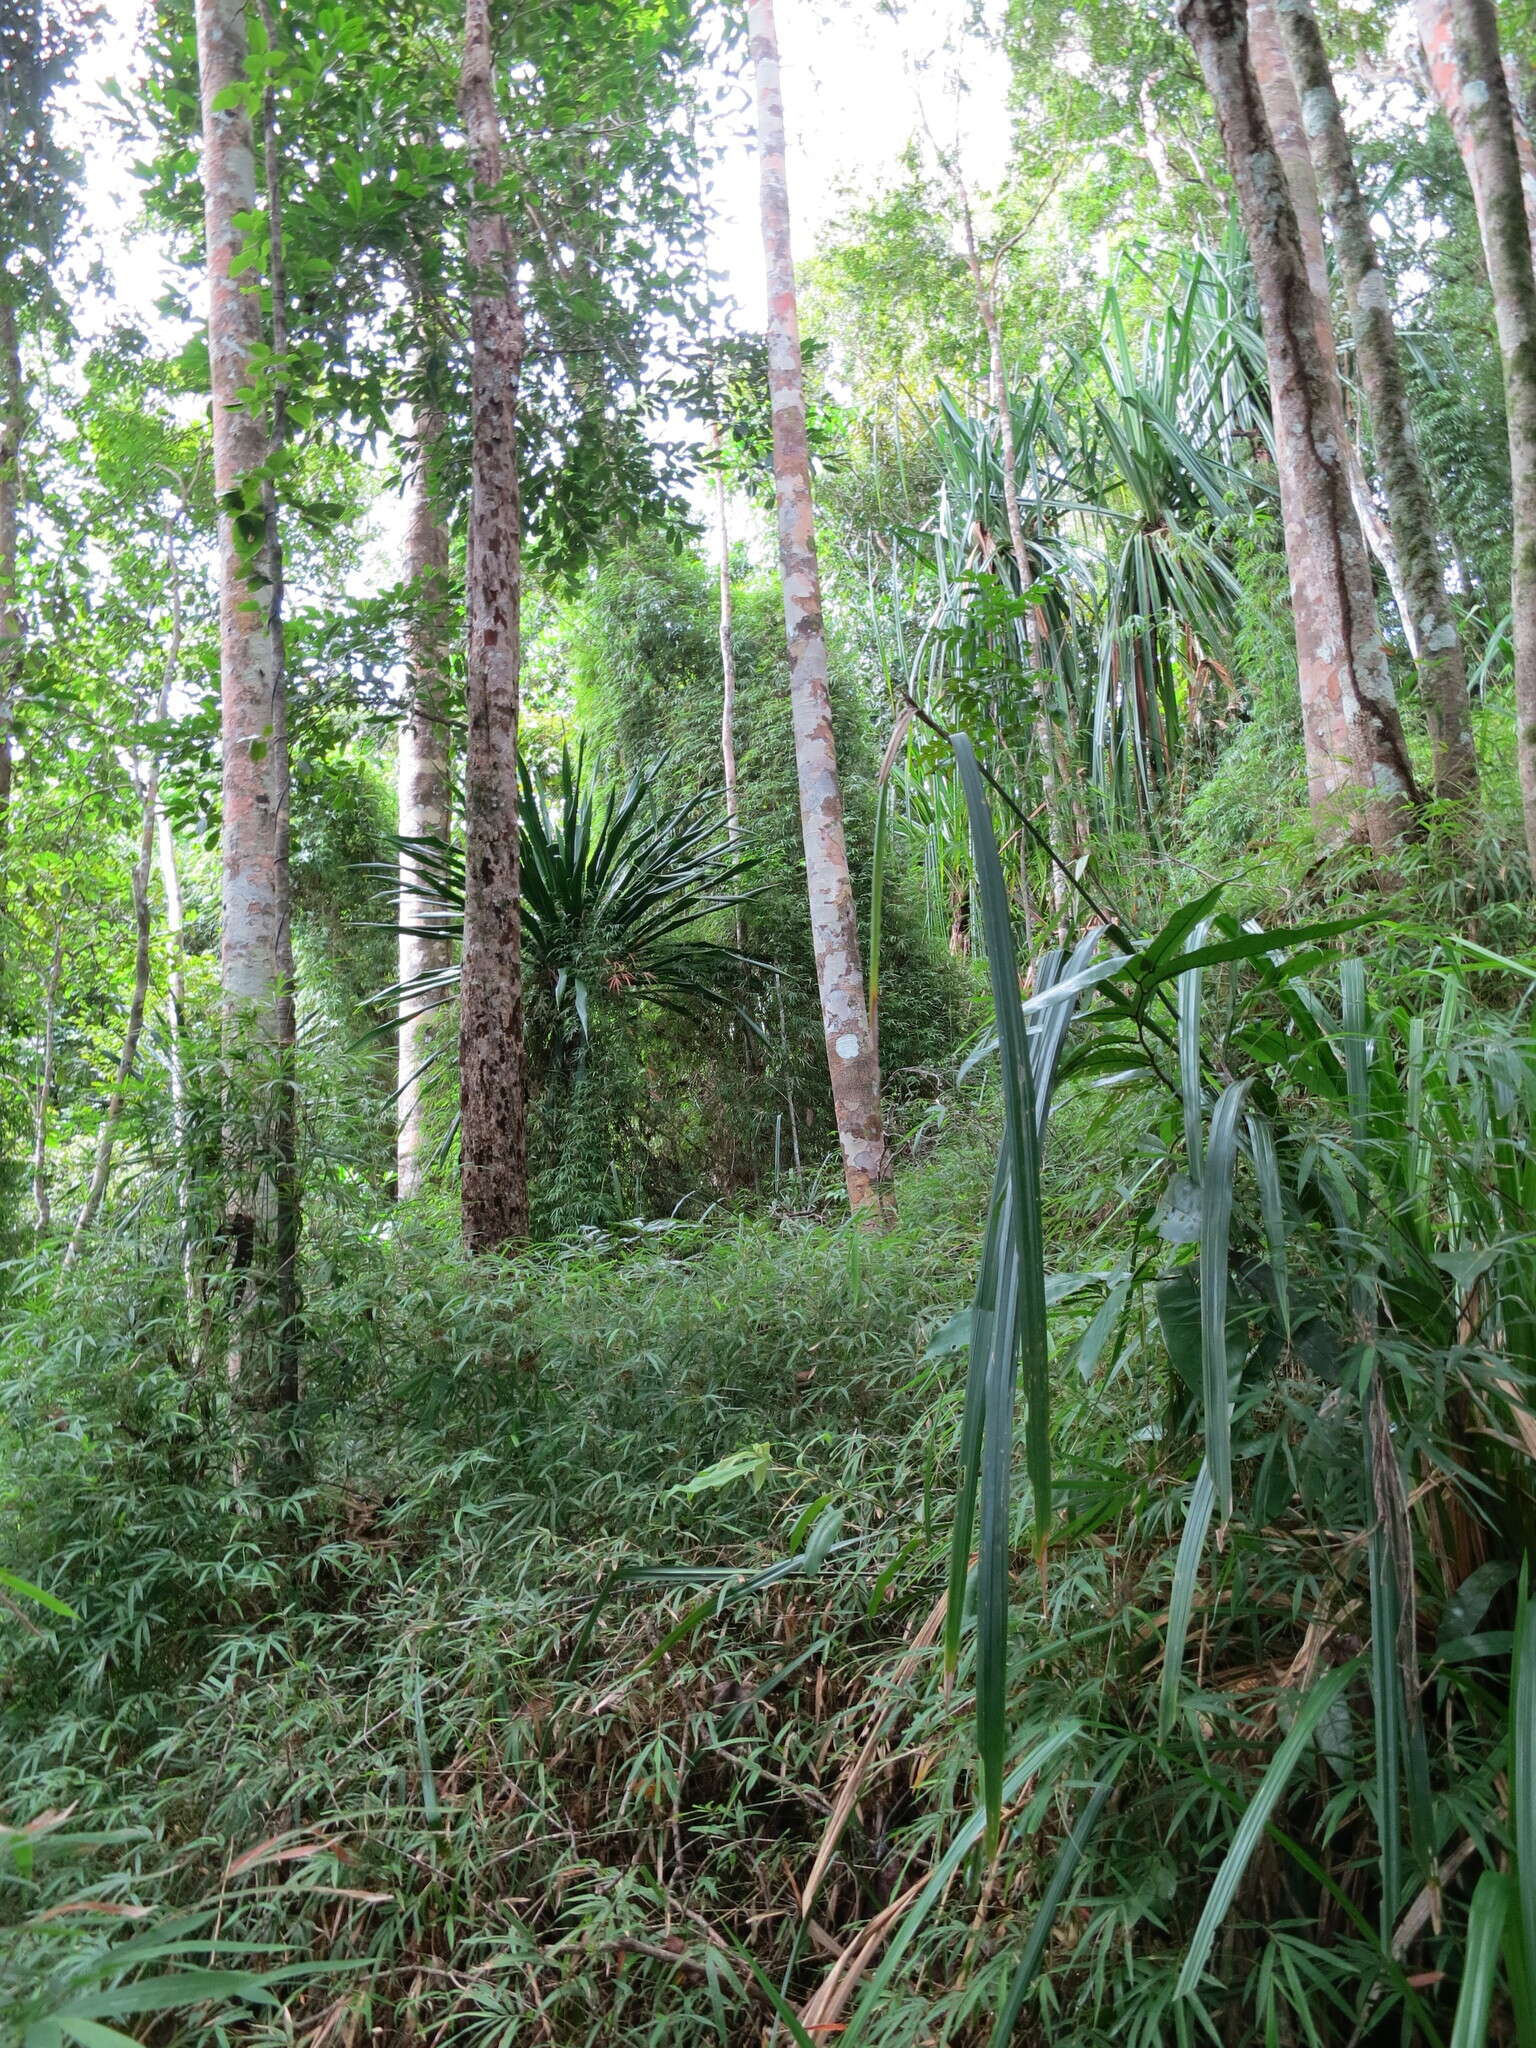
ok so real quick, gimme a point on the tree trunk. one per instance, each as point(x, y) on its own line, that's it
point(255, 954)
point(422, 781)
point(1427, 614)
point(175, 934)
point(256, 958)
point(12, 421)
point(727, 654)
point(1495, 166)
point(728, 672)
point(851, 1056)
point(148, 787)
point(493, 1134)
point(112, 1115)
point(1358, 773)
point(1437, 37)
point(43, 1095)
point(1282, 105)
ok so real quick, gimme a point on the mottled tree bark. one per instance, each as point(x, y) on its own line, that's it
point(1358, 774)
point(852, 1059)
point(422, 780)
point(1282, 106)
point(1507, 243)
point(493, 1140)
point(1437, 37)
point(256, 955)
point(1429, 618)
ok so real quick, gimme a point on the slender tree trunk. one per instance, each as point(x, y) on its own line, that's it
point(1427, 613)
point(176, 939)
point(175, 934)
point(112, 1115)
point(727, 651)
point(148, 786)
point(1358, 773)
point(43, 1095)
point(422, 781)
point(493, 1139)
point(256, 960)
point(12, 421)
point(728, 672)
point(1507, 243)
point(284, 1097)
point(852, 1060)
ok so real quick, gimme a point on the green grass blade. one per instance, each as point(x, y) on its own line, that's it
point(983, 1312)
point(92, 2034)
point(1263, 1803)
point(27, 1591)
point(429, 1800)
point(1215, 1234)
point(1022, 1306)
point(1355, 1027)
point(1188, 991)
point(994, 1543)
point(1485, 1934)
point(1050, 1905)
point(1181, 1600)
point(1386, 1699)
point(1266, 1171)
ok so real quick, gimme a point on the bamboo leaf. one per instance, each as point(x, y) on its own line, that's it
point(1050, 1905)
point(1255, 1817)
point(1189, 985)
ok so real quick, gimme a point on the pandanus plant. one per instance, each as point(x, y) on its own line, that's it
point(1107, 640)
point(1162, 463)
point(615, 894)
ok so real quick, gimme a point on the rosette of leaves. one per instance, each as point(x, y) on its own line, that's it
point(617, 895)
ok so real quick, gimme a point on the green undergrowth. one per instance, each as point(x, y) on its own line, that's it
point(589, 1689)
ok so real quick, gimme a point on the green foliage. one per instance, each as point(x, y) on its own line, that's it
point(647, 675)
point(620, 896)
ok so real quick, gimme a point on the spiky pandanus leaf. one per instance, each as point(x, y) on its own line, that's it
point(614, 891)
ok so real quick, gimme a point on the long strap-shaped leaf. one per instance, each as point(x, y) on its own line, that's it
point(1189, 993)
point(1253, 1823)
point(1181, 1600)
point(1009, 1324)
point(1215, 1232)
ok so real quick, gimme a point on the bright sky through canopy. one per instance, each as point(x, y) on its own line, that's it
point(852, 77)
